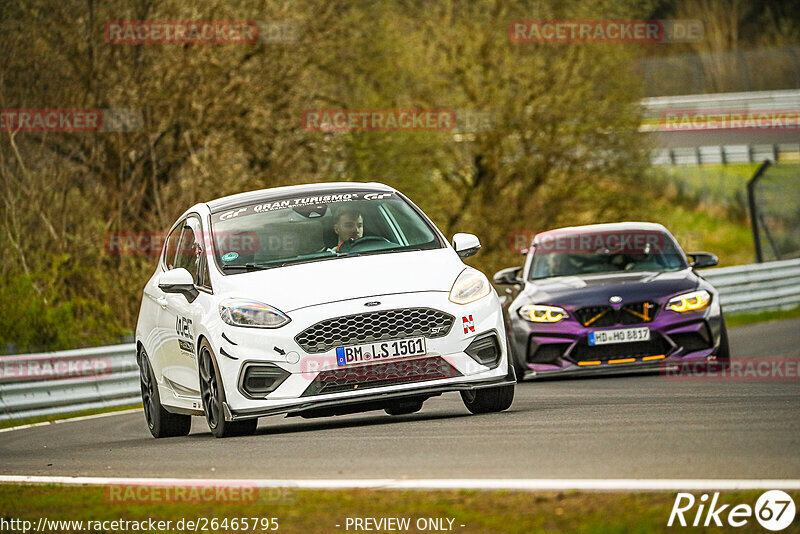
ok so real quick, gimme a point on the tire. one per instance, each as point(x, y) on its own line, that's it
point(723, 353)
point(404, 407)
point(519, 369)
point(488, 400)
point(212, 395)
point(162, 424)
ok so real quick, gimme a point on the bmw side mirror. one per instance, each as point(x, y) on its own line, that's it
point(508, 276)
point(466, 245)
point(178, 281)
point(701, 260)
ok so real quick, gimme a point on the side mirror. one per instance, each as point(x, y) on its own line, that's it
point(701, 260)
point(178, 281)
point(466, 245)
point(508, 276)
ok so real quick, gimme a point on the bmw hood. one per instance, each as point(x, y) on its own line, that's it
point(308, 284)
point(597, 289)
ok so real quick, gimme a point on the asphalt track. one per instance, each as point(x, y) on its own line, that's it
point(618, 427)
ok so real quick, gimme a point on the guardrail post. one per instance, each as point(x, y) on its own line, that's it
point(751, 200)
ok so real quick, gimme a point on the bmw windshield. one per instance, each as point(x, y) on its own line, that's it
point(576, 254)
point(299, 229)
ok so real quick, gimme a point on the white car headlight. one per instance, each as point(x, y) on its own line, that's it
point(470, 286)
point(537, 313)
point(243, 312)
point(694, 301)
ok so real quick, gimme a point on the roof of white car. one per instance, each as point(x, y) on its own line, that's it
point(266, 194)
point(607, 227)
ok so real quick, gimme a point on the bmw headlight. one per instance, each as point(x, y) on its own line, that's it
point(470, 286)
point(243, 312)
point(537, 313)
point(694, 301)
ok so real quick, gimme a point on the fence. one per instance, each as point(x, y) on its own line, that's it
point(748, 70)
point(54, 383)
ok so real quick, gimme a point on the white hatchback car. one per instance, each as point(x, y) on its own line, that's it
point(315, 300)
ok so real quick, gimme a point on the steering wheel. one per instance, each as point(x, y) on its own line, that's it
point(363, 244)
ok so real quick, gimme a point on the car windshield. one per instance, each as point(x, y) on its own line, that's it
point(579, 254)
point(304, 228)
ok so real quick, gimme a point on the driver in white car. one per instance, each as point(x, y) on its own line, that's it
point(348, 225)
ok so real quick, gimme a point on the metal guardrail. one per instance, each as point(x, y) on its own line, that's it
point(757, 287)
point(701, 155)
point(749, 102)
point(55, 383)
point(69, 381)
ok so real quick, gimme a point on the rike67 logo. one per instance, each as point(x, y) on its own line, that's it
point(774, 510)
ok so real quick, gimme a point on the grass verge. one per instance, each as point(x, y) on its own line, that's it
point(741, 319)
point(317, 511)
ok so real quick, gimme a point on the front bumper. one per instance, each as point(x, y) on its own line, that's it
point(562, 348)
point(242, 347)
point(375, 400)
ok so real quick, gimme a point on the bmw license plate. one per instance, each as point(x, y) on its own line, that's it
point(380, 350)
point(621, 335)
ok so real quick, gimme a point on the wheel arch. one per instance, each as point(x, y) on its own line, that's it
point(141, 350)
point(200, 339)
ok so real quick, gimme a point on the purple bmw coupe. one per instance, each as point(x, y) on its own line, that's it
point(610, 298)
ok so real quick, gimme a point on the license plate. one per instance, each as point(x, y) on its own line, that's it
point(380, 350)
point(621, 335)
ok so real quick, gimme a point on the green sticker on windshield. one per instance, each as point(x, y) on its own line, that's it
point(230, 256)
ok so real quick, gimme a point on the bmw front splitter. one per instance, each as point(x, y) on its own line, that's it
point(661, 365)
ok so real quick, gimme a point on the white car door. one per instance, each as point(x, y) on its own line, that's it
point(160, 334)
point(179, 316)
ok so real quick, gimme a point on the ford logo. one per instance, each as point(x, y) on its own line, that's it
point(372, 303)
point(616, 299)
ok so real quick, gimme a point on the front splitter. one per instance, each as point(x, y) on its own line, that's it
point(429, 391)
